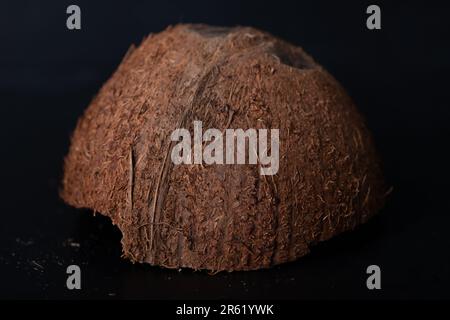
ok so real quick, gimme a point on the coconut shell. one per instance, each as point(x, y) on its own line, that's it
point(222, 217)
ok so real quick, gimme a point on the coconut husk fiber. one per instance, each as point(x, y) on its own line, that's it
point(222, 217)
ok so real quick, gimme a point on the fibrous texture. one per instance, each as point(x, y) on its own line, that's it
point(222, 217)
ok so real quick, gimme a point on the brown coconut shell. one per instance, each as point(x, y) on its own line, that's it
point(222, 217)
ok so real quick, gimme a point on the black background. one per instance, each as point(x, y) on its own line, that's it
point(398, 76)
